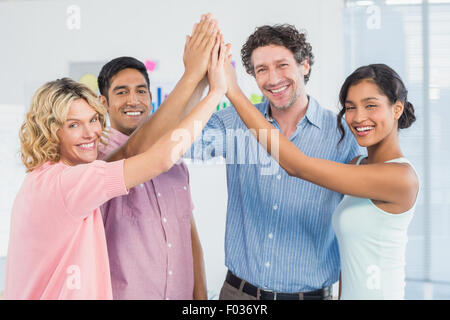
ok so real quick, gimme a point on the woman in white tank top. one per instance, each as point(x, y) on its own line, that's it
point(381, 189)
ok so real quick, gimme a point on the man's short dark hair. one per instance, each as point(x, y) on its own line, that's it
point(285, 35)
point(116, 65)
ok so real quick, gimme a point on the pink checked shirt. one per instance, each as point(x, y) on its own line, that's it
point(148, 233)
point(57, 246)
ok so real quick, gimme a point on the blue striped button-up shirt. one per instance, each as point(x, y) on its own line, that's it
point(278, 228)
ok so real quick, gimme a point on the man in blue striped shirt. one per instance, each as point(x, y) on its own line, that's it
point(279, 243)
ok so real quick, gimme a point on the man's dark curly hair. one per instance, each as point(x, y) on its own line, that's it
point(285, 35)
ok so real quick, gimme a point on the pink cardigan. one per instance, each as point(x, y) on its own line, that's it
point(57, 247)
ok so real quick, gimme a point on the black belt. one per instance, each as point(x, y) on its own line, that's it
point(250, 289)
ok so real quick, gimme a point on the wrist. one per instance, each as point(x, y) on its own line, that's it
point(192, 76)
point(234, 92)
point(216, 93)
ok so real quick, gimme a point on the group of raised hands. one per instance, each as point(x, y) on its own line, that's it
point(207, 58)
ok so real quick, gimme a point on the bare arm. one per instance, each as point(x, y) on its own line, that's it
point(388, 182)
point(187, 92)
point(195, 97)
point(161, 155)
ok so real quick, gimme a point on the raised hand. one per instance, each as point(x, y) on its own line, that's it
point(216, 70)
point(197, 50)
point(230, 74)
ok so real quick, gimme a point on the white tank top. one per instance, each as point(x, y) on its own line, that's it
point(372, 247)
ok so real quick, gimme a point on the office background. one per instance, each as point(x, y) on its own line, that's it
point(45, 40)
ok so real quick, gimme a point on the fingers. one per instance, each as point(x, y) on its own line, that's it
point(188, 39)
point(209, 39)
point(205, 29)
point(194, 28)
point(229, 56)
point(215, 51)
point(224, 51)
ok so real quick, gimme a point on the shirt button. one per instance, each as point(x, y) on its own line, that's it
point(142, 185)
point(270, 235)
point(164, 220)
point(159, 194)
point(170, 272)
point(267, 264)
point(275, 207)
point(169, 245)
point(185, 188)
point(279, 177)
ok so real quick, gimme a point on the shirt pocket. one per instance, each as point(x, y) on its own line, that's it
point(182, 201)
point(137, 204)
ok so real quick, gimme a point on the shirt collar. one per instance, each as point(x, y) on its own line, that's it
point(116, 135)
point(266, 108)
point(313, 112)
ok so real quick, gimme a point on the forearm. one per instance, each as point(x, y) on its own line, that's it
point(196, 57)
point(195, 97)
point(280, 148)
point(161, 155)
point(385, 182)
point(266, 134)
point(165, 118)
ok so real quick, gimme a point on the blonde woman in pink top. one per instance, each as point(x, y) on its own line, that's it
point(57, 247)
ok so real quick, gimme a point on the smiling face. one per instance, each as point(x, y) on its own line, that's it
point(80, 134)
point(370, 115)
point(278, 75)
point(129, 100)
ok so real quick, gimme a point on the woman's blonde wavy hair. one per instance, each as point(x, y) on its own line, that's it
point(47, 114)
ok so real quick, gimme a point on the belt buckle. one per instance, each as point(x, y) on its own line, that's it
point(258, 293)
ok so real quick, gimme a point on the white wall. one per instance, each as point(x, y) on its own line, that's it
point(37, 46)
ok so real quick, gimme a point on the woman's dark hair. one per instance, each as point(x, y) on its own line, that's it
point(389, 83)
point(116, 65)
point(285, 35)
